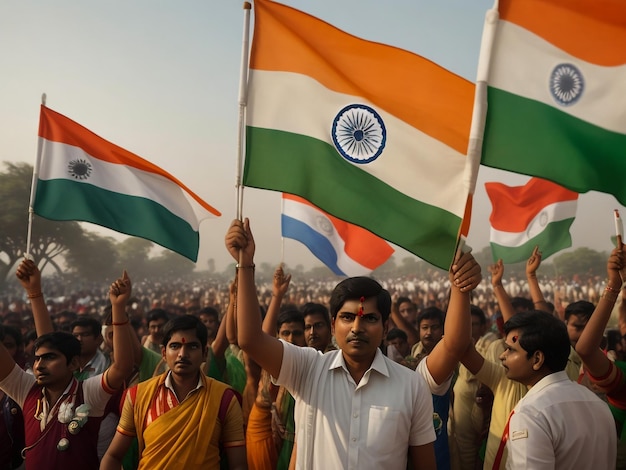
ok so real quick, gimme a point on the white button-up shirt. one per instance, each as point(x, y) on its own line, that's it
point(560, 424)
point(342, 425)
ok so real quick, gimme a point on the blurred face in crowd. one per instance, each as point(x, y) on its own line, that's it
point(89, 342)
point(401, 345)
point(292, 332)
point(155, 329)
point(316, 331)
point(575, 326)
point(10, 344)
point(478, 329)
point(431, 331)
point(211, 323)
point(408, 311)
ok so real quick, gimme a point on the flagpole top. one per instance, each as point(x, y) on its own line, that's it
point(247, 6)
point(43, 99)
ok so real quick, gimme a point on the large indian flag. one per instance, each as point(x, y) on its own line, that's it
point(83, 177)
point(540, 213)
point(557, 93)
point(369, 133)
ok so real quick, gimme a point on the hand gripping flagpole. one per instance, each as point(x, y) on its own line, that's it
point(33, 188)
point(243, 95)
point(479, 113)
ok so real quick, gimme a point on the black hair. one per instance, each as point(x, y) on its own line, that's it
point(478, 312)
point(185, 323)
point(211, 312)
point(542, 331)
point(522, 304)
point(581, 308)
point(312, 308)
point(88, 322)
point(290, 316)
point(13, 332)
point(431, 313)
point(157, 314)
point(61, 341)
point(396, 333)
point(354, 288)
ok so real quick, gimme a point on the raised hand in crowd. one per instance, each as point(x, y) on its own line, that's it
point(533, 263)
point(30, 278)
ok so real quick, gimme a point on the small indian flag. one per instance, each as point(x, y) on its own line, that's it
point(539, 213)
point(557, 93)
point(369, 133)
point(83, 177)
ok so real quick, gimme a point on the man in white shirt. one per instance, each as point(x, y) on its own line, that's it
point(355, 408)
point(559, 424)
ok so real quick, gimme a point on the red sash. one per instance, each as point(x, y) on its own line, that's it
point(503, 441)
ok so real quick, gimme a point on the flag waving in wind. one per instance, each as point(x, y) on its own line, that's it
point(539, 213)
point(346, 249)
point(369, 133)
point(84, 177)
point(557, 93)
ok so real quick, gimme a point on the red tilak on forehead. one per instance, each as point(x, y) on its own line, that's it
point(360, 312)
point(514, 339)
point(183, 340)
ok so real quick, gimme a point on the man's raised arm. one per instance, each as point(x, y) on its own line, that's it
point(265, 350)
point(116, 374)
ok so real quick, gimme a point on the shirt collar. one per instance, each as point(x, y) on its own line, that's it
point(547, 381)
point(378, 364)
point(168, 384)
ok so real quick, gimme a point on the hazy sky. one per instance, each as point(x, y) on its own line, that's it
point(160, 78)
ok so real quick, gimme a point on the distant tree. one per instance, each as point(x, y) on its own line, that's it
point(171, 264)
point(49, 239)
point(582, 261)
point(133, 254)
point(94, 258)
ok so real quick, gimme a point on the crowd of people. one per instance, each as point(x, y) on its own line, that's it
point(459, 371)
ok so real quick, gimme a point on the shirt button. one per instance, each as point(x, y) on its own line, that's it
point(354, 439)
point(355, 415)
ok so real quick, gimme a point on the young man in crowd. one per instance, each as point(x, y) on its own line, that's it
point(181, 417)
point(355, 408)
point(60, 431)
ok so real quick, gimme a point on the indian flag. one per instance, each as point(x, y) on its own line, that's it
point(83, 177)
point(539, 213)
point(557, 93)
point(369, 133)
point(346, 249)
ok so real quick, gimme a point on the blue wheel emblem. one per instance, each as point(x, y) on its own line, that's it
point(566, 84)
point(359, 133)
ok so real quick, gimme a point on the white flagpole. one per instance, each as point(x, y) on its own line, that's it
point(282, 239)
point(33, 190)
point(243, 95)
point(479, 114)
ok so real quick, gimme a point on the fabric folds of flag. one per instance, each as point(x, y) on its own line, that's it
point(540, 213)
point(86, 178)
point(346, 249)
point(369, 133)
point(557, 93)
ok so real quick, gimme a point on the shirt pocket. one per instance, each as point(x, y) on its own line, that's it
point(383, 429)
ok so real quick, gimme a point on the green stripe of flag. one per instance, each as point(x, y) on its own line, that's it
point(529, 137)
point(313, 169)
point(553, 238)
point(68, 200)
